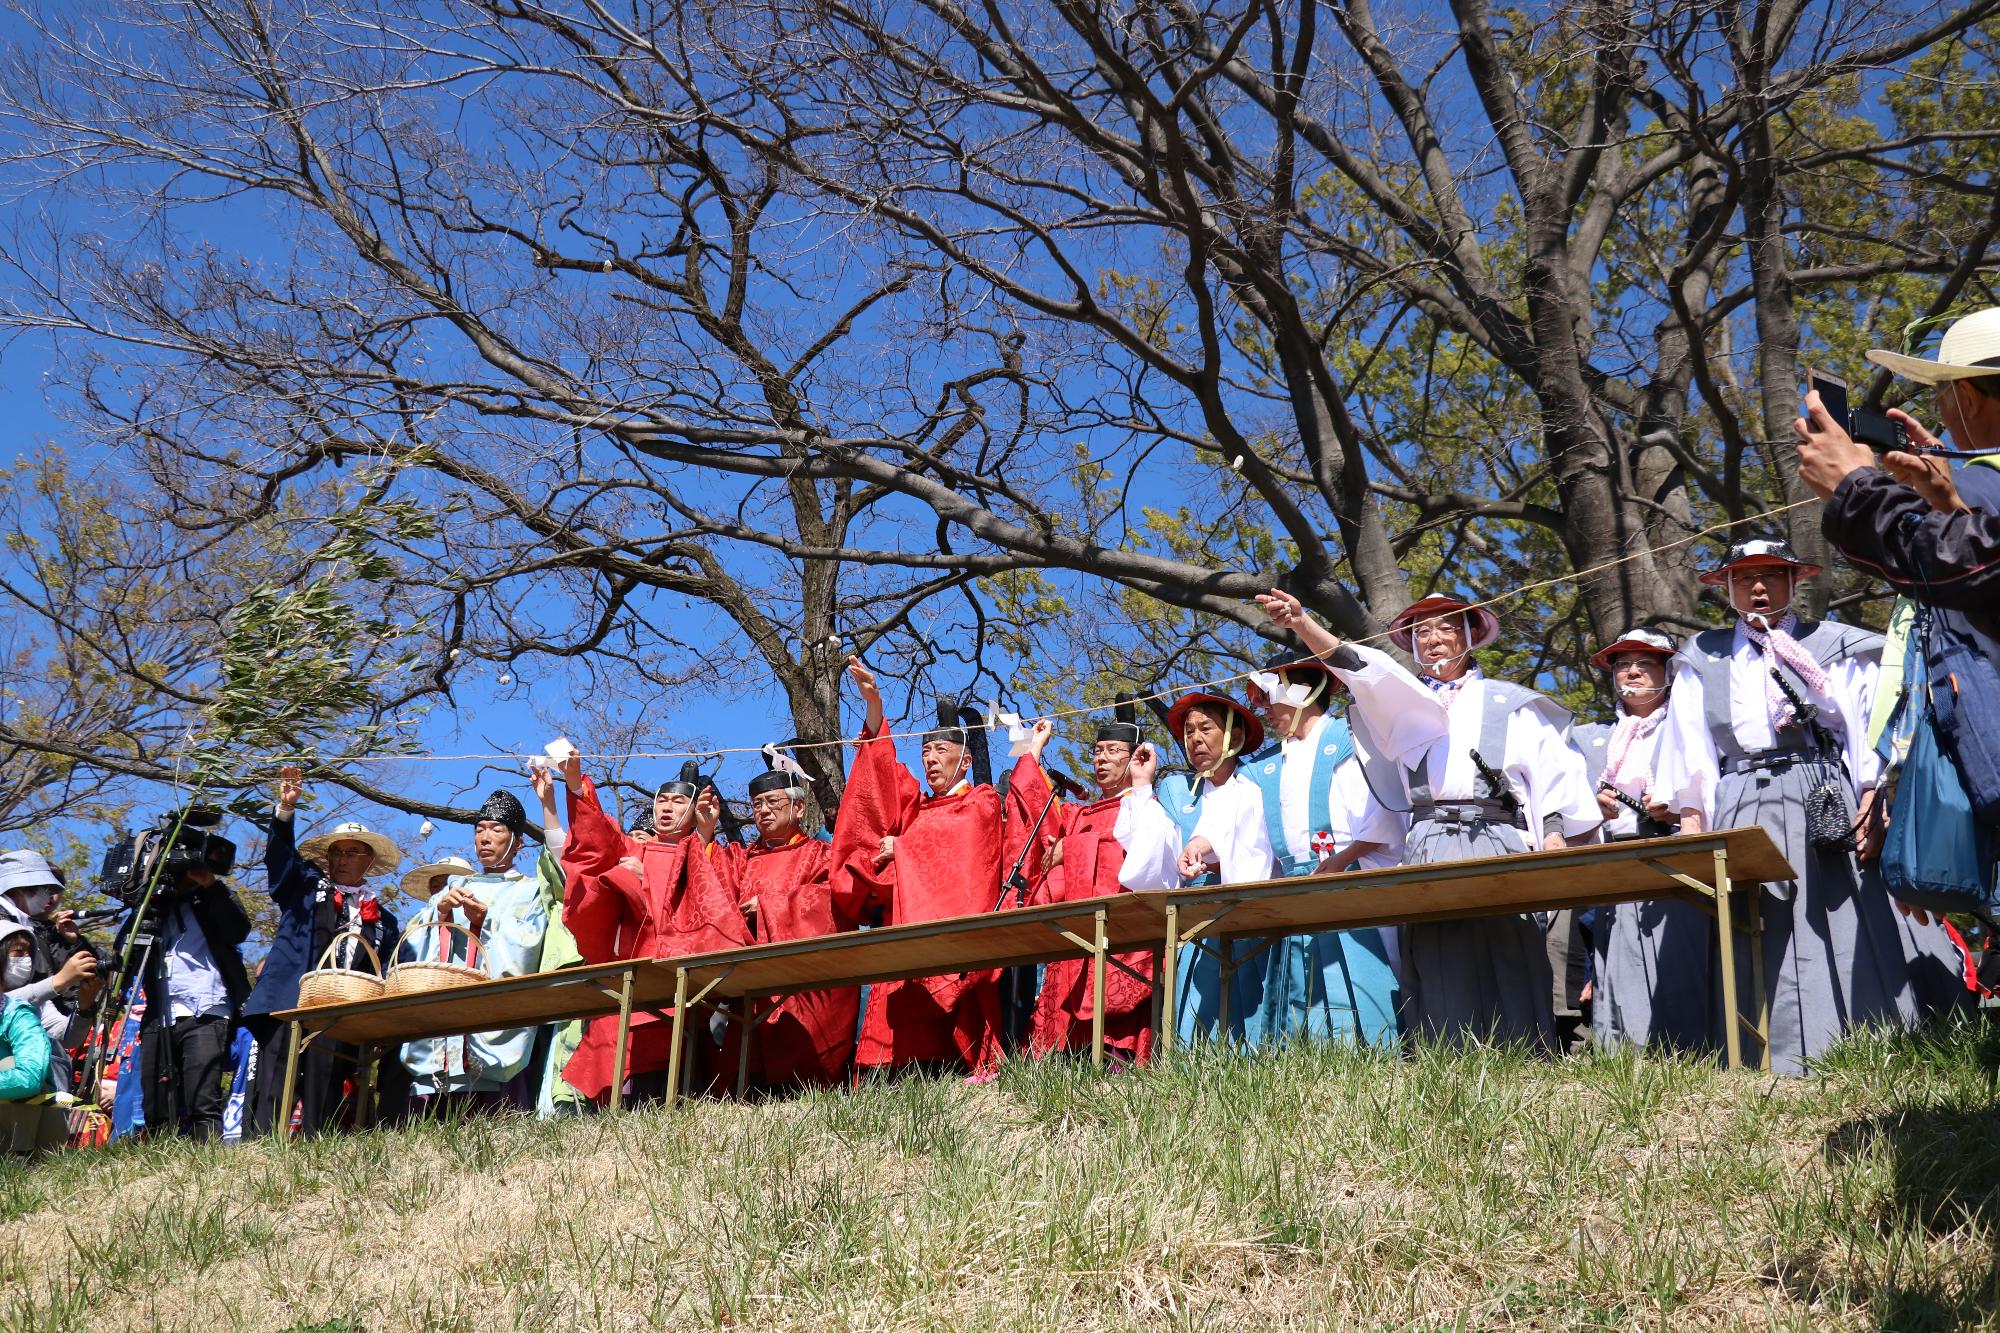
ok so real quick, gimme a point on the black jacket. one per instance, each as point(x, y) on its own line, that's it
point(306, 922)
point(225, 925)
point(1945, 560)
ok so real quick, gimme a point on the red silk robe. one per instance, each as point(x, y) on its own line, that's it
point(808, 1039)
point(1091, 860)
point(947, 864)
point(664, 912)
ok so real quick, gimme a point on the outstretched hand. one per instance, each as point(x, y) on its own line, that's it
point(1145, 764)
point(291, 787)
point(1926, 474)
point(1827, 453)
point(871, 694)
point(543, 781)
point(1289, 613)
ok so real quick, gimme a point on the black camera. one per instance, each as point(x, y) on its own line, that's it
point(1880, 432)
point(175, 843)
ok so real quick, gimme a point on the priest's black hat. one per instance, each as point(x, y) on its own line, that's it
point(688, 784)
point(949, 727)
point(775, 779)
point(1122, 725)
point(504, 808)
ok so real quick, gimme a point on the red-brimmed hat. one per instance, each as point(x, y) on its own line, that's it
point(1253, 730)
point(1633, 641)
point(1482, 626)
point(1764, 552)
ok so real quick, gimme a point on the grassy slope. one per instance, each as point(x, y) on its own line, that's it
point(1310, 1189)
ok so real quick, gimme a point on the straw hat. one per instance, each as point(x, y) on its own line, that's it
point(418, 882)
point(1969, 348)
point(1633, 641)
point(387, 855)
point(1482, 626)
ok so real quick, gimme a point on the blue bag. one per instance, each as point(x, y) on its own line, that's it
point(1965, 692)
point(1935, 854)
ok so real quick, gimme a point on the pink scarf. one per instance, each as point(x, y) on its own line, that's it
point(1626, 734)
point(1778, 646)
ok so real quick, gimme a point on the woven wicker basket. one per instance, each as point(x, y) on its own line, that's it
point(415, 978)
point(327, 984)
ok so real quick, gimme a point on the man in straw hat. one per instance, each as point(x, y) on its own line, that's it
point(328, 884)
point(782, 881)
point(633, 898)
point(1123, 840)
point(1768, 720)
point(1323, 818)
point(1484, 768)
point(1229, 839)
point(911, 854)
point(1653, 959)
point(502, 910)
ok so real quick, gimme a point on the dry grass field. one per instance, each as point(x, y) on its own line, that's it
point(1309, 1189)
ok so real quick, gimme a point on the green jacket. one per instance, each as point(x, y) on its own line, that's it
point(24, 1052)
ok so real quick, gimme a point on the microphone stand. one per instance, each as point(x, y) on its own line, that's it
point(1016, 883)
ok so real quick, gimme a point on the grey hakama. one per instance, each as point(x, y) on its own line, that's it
point(1655, 960)
point(1836, 953)
point(1488, 977)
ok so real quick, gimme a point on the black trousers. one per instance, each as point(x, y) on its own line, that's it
point(183, 1067)
point(326, 1073)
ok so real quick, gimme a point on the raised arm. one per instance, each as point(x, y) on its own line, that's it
point(871, 696)
point(595, 844)
point(284, 871)
point(1397, 714)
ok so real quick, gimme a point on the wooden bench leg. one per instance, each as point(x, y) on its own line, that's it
point(675, 1042)
point(1725, 934)
point(624, 1040)
point(1097, 979)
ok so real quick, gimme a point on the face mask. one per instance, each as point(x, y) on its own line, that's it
point(38, 901)
point(19, 972)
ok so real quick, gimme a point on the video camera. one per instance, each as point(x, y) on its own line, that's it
point(175, 842)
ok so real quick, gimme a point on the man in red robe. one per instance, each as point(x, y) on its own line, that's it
point(1123, 840)
point(916, 857)
point(782, 882)
point(624, 898)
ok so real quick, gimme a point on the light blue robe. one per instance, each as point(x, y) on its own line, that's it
point(1332, 984)
point(510, 945)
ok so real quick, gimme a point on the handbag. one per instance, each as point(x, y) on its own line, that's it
point(1935, 854)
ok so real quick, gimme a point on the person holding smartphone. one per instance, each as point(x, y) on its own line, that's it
point(1929, 529)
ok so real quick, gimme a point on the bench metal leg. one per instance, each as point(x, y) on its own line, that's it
point(746, 1022)
point(1170, 981)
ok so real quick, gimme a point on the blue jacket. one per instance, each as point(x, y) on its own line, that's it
point(305, 923)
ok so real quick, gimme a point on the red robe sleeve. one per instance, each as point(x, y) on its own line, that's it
point(879, 802)
point(596, 843)
point(1029, 793)
point(594, 911)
